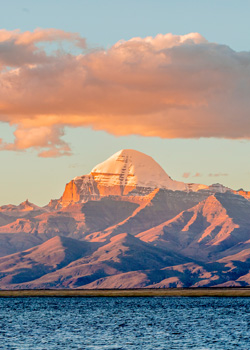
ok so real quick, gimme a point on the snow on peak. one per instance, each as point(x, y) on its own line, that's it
point(129, 169)
point(133, 168)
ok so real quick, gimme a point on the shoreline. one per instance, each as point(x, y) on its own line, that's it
point(172, 292)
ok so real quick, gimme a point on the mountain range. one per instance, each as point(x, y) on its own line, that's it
point(127, 224)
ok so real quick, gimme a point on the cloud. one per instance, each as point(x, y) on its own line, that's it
point(187, 175)
point(48, 138)
point(197, 175)
point(169, 86)
point(217, 175)
point(21, 49)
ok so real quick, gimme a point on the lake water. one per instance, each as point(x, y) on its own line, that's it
point(124, 323)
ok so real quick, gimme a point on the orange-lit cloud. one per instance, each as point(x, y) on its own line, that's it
point(169, 86)
point(43, 137)
point(18, 49)
point(187, 175)
point(197, 175)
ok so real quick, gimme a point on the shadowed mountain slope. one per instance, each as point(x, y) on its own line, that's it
point(213, 225)
point(34, 267)
point(163, 206)
point(35, 262)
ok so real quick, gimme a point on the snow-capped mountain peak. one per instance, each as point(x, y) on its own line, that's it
point(127, 172)
point(133, 168)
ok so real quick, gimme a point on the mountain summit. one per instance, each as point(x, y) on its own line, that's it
point(134, 169)
point(126, 173)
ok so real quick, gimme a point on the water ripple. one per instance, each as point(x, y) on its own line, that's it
point(124, 323)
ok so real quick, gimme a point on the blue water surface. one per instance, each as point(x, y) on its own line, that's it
point(124, 323)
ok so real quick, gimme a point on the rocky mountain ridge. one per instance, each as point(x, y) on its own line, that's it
point(127, 224)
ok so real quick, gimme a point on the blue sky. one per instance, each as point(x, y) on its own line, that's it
point(103, 23)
